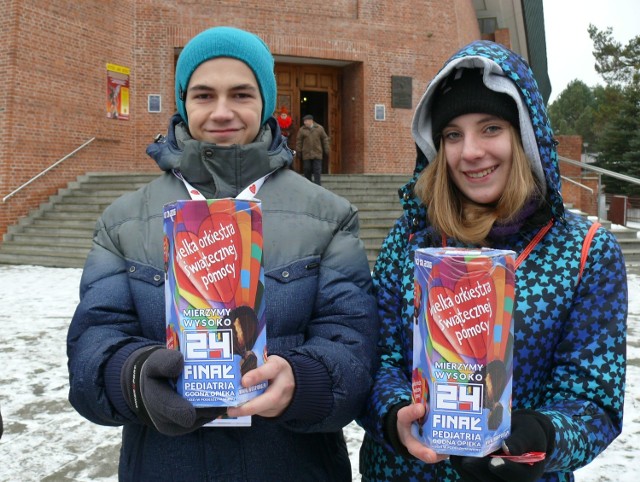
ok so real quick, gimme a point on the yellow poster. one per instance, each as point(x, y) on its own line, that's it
point(117, 92)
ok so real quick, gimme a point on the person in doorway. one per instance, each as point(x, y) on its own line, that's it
point(312, 145)
point(321, 349)
point(487, 175)
point(284, 121)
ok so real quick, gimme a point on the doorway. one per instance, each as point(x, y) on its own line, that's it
point(312, 89)
point(317, 105)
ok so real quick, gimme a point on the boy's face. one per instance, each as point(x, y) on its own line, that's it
point(223, 103)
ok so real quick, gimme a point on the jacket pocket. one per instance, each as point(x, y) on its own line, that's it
point(291, 293)
point(146, 285)
point(300, 269)
point(145, 273)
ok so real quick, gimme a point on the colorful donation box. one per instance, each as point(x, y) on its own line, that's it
point(463, 348)
point(214, 287)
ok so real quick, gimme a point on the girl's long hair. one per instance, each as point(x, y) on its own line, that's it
point(456, 216)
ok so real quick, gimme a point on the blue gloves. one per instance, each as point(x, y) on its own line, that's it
point(530, 432)
point(147, 384)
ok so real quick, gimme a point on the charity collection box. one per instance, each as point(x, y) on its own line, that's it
point(463, 348)
point(214, 292)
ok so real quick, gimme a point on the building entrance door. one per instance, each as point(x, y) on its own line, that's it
point(311, 89)
point(316, 104)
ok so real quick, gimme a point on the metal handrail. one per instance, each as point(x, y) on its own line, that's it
point(593, 193)
point(578, 184)
point(601, 172)
point(48, 169)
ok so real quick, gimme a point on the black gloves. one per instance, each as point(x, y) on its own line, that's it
point(146, 381)
point(530, 432)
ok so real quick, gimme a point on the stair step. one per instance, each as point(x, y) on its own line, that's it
point(629, 244)
point(40, 252)
point(622, 233)
point(68, 222)
point(125, 186)
point(62, 216)
point(374, 232)
point(95, 194)
point(365, 197)
point(63, 240)
point(119, 177)
point(632, 256)
point(56, 230)
point(59, 233)
point(89, 207)
point(37, 259)
point(44, 246)
point(385, 210)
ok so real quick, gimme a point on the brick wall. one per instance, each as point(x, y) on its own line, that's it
point(56, 82)
point(573, 194)
point(54, 56)
point(414, 42)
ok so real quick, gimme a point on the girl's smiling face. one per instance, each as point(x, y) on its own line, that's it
point(479, 155)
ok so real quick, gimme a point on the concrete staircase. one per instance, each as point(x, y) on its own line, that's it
point(628, 238)
point(59, 232)
point(376, 197)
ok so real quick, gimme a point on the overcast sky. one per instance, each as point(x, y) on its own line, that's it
point(569, 48)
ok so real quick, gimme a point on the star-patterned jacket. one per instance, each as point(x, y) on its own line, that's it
point(570, 336)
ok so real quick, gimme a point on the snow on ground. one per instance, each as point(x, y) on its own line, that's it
point(46, 440)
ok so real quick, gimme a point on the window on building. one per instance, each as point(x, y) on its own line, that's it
point(488, 25)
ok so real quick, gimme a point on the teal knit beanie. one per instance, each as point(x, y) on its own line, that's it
point(228, 42)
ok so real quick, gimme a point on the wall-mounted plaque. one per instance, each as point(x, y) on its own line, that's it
point(401, 92)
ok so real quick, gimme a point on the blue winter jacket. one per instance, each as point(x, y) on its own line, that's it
point(320, 312)
point(570, 335)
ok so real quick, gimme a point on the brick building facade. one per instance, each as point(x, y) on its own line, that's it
point(579, 189)
point(344, 53)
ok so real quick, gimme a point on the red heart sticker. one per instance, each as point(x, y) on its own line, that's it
point(252, 188)
point(210, 259)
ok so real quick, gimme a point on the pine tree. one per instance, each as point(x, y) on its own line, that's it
point(616, 63)
point(573, 111)
point(607, 117)
point(618, 143)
